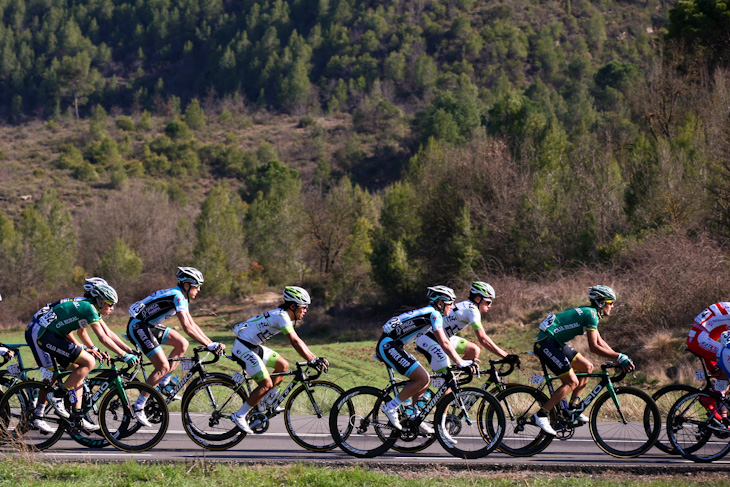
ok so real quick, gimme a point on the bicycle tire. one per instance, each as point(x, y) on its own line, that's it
point(119, 425)
point(694, 433)
point(206, 410)
point(197, 380)
point(16, 417)
point(356, 423)
point(95, 439)
point(408, 441)
point(469, 424)
point(307, 416)
point(522, 437)
point(665, 398)
point(630, 439)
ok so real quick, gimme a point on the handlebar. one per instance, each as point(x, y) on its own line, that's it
point(197, 352)
point(613, 365)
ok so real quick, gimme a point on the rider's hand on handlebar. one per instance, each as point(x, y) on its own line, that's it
point(130, 358)
point(216, 347)
point(514, 359)
point(319, 363)
point(627, 365)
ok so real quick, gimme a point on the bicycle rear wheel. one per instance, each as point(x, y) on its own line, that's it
point(522, 437)
point(119, 425)
point(469, 424)
point(410, 439)
point(357, 424)
point(206, 413)
point(307, 415)
point(629, 428)
point(16, 418)
point(696, 433)
point(665, 398)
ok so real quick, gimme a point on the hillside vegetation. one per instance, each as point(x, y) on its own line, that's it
point(366, 150)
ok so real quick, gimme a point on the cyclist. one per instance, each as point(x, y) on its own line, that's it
point(44, 360)
point(465, 313)
point(254, 357)
point(405, 328)
point(552, 349)
point(5, 352)
point(145, 328)
point(706, 339)
point(58, 322)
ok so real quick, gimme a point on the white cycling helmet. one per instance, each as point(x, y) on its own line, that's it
point(91, 282)
point(189, 274)
point(480, 288)
point(296, 295)
point(102, 290)
point(441, 293)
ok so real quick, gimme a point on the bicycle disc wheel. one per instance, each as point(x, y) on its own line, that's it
point(628, 429)
point(522, 437)
point(119, 425)
point(695, 432)
point(16, 418)
point(307, 415)
point(206, 413)
point(665, 398)
point(357, 424)
point(469, 424)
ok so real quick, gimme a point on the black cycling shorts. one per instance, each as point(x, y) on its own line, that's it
point(558, 358)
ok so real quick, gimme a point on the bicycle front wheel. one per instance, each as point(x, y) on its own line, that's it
point(469, 424)
point(206, 413)
point(696, 433)
point(522, 437)
point(357, 424)
point(17, 415)
point(627, 426)
point(119, 425)
point(665, 398)
point(307, 415)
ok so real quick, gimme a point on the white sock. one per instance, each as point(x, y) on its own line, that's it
point(244, 409)
point(394, 403)
point(140, 402)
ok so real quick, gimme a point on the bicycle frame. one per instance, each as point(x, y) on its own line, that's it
point(300, 377)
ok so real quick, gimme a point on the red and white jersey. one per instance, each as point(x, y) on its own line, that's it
point(708, 326)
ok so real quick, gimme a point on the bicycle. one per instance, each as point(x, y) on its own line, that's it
point(666, 396)
point(16, 371)
point(624, 421)
point(461, 417)
point(697, 432)
point(207, 407)
point(113, 400)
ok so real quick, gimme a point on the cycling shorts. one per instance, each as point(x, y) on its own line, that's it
point(434, 352)
point(558, 358)
point(392, 353)
point(64, 350)
point(254, 359)
point(147, 337)
point(31, 338)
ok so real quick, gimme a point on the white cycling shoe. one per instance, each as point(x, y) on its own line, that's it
point(579, 417)
point(242, 423)
point(57, 404)
point(141, 417)
point(42, 426)
point(392, 415)
point(426, 429)
point(88, 425)
point(544, 424)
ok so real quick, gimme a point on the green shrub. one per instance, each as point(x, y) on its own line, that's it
point(125, 123)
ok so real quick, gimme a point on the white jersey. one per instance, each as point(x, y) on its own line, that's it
point(262, 327)
point(464, 314)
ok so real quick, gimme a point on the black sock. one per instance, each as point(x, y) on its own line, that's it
point(542, 413)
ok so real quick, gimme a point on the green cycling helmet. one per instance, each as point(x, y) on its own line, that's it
point(480, 288)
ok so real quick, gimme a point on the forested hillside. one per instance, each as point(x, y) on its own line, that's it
point(368, 149)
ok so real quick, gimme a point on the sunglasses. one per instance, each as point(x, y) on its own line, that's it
point(306, 306)
point(608, 301)
point(488, 301)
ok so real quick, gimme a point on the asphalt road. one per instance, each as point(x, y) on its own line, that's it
point(577, 454)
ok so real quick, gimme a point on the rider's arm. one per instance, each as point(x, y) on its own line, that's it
point(113, 336)
point(486, 342)
point(83, 336)
point(599, 346)
point(192, 329)
point(300, 346)
point(106, 339)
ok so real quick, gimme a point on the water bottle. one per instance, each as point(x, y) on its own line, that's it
point(423, 400)
point(270, 397)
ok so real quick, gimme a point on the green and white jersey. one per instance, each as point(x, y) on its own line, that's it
point(262, 327)
point(464, 314)
point(69, 316)
point(569, 324)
